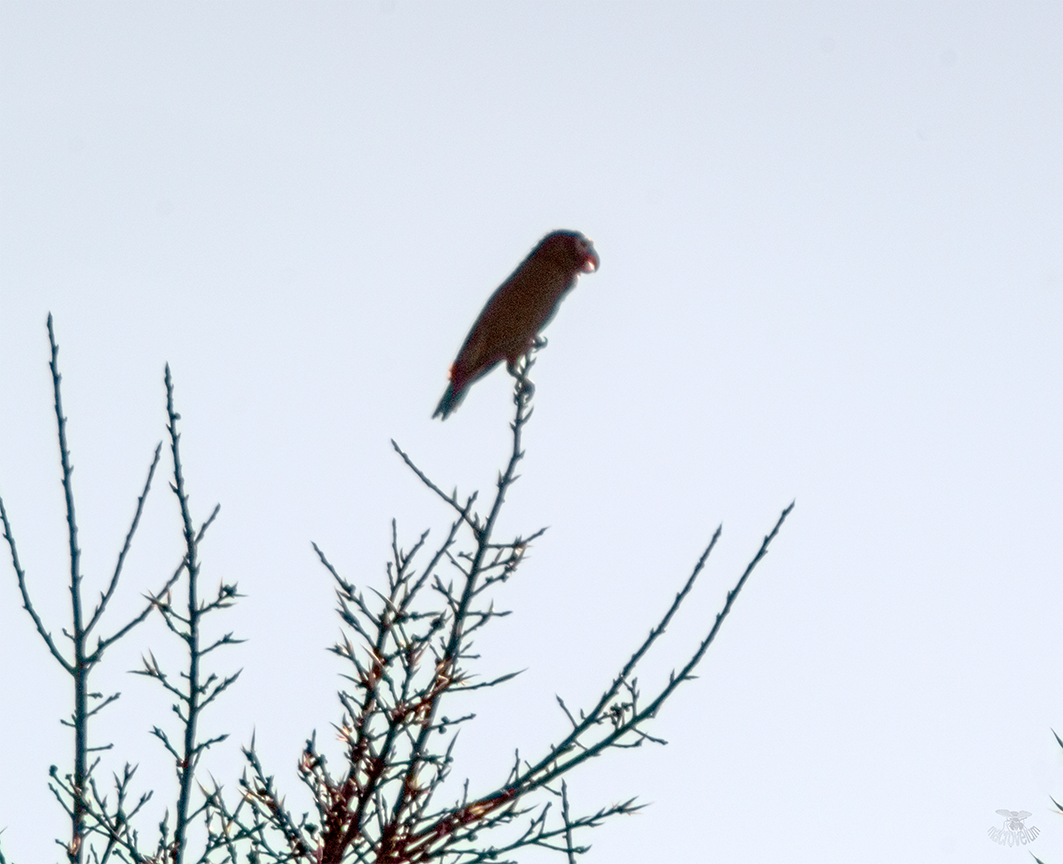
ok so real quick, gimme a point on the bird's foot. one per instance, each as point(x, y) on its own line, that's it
point(539, 343)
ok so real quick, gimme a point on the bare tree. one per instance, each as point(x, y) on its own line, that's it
point(408, 650)
point(91, 813)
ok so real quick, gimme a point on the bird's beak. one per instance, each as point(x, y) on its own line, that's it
point(591, 262)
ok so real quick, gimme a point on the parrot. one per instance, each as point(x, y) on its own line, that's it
point(509, 325)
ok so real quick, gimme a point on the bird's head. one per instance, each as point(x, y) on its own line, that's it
point(575, 247)
point(591, 261)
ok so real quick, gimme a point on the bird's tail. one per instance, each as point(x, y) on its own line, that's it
point(451, 400)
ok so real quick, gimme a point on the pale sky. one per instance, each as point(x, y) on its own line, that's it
point(831, 240)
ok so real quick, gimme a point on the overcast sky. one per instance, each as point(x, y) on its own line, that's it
point(831, 240)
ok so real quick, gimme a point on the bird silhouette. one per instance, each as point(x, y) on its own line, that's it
point(521, 306)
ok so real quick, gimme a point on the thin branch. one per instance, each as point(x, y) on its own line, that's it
point(27, 603)
point(105, 598)
point(81, 668)
point(451, 499)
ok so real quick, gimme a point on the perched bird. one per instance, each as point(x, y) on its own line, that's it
point(520, 307)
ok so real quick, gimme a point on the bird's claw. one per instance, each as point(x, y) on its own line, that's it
point(539, 343)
